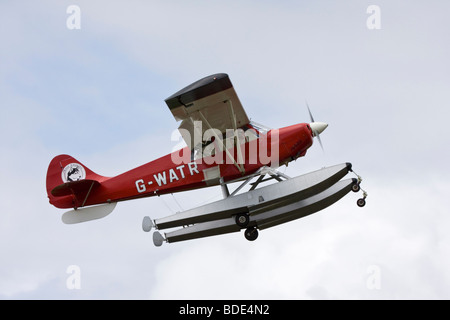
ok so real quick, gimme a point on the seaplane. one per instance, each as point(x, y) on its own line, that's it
point(223, 147)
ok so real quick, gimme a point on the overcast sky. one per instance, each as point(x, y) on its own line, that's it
point(97, 93)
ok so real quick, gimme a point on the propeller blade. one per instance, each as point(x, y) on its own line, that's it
point(320, 142)
point(310, 114)
point(316, 127)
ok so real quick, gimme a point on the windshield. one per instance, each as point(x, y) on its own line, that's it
point(259, 127)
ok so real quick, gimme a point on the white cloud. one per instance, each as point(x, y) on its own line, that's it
point(327, 255)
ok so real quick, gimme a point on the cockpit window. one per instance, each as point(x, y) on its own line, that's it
point(228, 139)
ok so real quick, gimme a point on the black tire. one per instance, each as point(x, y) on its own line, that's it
point(242, 220)
point(356, 187)
point(251, 234)
point(361, 202)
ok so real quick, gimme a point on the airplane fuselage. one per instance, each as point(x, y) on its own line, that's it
point(164, 175)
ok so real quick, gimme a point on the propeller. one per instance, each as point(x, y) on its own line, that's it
point(316, 127)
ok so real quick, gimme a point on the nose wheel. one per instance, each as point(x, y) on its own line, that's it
point(356, 187)
point(361, 202)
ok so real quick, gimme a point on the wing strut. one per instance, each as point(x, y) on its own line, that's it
point(219, 140)
point(236, 135)
point(89, 192)
point(274, 174)
point(225, 191)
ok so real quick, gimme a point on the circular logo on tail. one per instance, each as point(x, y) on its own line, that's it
point(73, 172)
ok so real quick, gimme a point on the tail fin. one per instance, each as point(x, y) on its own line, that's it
point(69, 182)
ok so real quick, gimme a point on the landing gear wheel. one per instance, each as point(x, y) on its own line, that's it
point(251, 234)
point(361, 202)
point(356, 187)
point(242, 220)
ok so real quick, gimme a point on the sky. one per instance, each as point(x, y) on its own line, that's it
point(97, 93)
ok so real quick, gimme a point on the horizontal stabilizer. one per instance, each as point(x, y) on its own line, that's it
point(88, 214)
point(74, 187)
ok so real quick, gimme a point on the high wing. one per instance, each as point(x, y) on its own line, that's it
point(211, 102)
